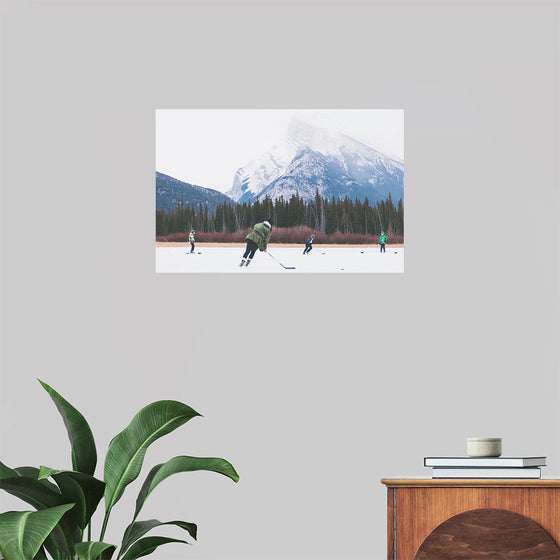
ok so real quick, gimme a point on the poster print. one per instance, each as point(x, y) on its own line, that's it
point(279, 191)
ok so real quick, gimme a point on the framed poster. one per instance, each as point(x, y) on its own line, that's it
point(316, 190)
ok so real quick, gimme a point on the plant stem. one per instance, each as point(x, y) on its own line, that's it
point(103, 529)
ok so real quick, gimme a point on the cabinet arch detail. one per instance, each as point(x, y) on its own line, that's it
point(488, 534)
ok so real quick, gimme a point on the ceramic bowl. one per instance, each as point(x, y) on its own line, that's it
point(484, 447)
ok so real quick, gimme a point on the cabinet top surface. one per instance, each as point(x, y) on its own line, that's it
point(470, 482)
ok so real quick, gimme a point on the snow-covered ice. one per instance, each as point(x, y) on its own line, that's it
point(227, 259)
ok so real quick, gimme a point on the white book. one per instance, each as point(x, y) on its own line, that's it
point(494, 472)
point(468, 462)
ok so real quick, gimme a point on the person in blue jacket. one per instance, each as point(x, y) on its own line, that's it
point(308, 245)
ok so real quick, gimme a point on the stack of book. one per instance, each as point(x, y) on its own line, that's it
point(485, 467)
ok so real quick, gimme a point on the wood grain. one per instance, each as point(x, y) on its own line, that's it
point(419, 510)
point(390, 524)
point(471, 482)
point(488, 534)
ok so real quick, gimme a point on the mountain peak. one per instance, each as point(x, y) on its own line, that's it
point(333, 162)
point(302, 133)
point(301, 130)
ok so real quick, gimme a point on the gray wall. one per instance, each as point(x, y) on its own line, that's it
point(315, 387)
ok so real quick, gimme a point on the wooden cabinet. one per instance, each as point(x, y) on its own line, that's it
point(473, 519)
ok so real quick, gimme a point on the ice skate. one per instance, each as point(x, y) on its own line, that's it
point(248, 261)
point(242, 263)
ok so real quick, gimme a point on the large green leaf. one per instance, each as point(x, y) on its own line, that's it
point(33, 472)
point(82, 489)
point(95, 550)
point(60, 543)
point(41, 555)
point(55, 542)
point(127, 449)
point(41, 496)
point(146, 546)
point(7, 472)
point(84, 454)
point(139, 528)
point(22, 533)
point(180, 464)
point(32, 491)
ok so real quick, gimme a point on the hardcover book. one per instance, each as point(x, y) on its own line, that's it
point(457, 472)
point(468, 462)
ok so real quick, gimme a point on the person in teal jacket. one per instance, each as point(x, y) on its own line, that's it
point(382, 241)
point(257, 239)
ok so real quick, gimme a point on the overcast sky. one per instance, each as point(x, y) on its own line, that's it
point(207, 146)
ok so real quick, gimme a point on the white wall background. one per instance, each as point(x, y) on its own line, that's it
point(314, 387)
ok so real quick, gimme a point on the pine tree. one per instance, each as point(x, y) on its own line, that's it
point(320, 214)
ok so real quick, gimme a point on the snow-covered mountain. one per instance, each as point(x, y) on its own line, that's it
point(311, 157)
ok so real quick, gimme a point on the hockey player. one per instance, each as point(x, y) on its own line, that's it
point(257, 239)
point(382, 241)
point(191, 240)
point(308, 245)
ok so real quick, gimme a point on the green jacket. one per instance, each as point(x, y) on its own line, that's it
point(191, 237)
point(260, 235)
point(382, 239)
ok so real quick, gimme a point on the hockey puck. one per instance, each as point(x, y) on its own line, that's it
point(362, 252)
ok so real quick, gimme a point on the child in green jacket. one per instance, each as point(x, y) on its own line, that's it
point(257, 239)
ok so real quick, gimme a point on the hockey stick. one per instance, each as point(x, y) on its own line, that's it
point(282, 265)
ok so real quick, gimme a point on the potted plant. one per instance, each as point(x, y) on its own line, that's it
point(65, 500)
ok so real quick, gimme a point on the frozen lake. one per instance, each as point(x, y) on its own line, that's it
point(321, 259)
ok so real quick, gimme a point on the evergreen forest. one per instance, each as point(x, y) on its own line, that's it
point(320, 215)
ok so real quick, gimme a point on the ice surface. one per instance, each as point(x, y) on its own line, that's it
point(335, 259)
